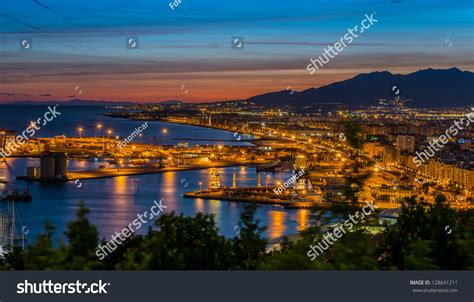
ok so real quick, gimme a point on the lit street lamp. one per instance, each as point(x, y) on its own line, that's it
point(200, 187)
point(99, 127)
point(80, 130)
point(164, 135)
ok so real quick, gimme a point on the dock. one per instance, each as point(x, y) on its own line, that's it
point(256, 199)
point(130, 171)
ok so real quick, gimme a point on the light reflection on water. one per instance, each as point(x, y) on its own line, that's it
point(276, 227)
point(115, 202)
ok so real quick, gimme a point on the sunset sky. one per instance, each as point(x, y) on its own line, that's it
point(79, 47)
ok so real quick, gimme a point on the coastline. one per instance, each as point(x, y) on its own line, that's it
point(256, 137)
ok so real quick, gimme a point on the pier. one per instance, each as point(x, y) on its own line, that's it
point(257, 198)
point(130, 171)
point(259, 194)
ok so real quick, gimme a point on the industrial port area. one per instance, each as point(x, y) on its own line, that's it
point(342, 164)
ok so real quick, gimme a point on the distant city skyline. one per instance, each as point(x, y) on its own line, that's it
point(79, 50)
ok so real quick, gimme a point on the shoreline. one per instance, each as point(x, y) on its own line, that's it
point(256, 139)
point(166, 121)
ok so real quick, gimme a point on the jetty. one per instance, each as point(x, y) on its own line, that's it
point(298, 199)
point(129, 171)
point(262, 198)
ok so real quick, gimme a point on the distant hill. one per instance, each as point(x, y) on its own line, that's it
point(79, 102)
point(170, 102)
point(74, 102)
point(427, 88)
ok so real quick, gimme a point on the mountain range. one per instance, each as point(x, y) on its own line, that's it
point(429, 88)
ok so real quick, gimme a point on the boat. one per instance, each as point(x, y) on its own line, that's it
point(15, 195)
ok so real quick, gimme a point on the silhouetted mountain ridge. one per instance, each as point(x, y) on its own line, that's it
point(426, 88)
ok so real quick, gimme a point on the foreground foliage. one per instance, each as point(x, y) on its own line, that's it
point(425, 237)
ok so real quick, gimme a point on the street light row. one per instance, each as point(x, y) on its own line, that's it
point(80, 130)
point(99, 126)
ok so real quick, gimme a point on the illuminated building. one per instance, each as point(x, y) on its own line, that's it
point(406, 143)
point(449, 173)
point(301, 162)
point(393, 194)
